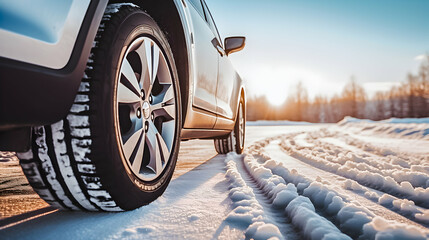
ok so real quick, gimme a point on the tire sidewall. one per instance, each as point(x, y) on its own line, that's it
point(239, 146)
point(123, 182)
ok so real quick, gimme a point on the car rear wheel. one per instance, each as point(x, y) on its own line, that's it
point(234, 142)
point(117, 148)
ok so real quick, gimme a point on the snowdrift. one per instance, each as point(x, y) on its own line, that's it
point(414, 128)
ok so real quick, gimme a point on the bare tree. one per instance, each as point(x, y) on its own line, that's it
point(301, 98)
point(422, 90)
point(258, 108)
point(412, 87)
point(319, 109)
point(380, 106)
point(354, 98)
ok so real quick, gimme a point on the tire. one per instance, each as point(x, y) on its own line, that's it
point(117, 148)
point(234, 142)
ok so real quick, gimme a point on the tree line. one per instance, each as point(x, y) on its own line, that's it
point(408, 100)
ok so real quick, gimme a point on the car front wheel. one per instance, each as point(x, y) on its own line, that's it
point(117, 148)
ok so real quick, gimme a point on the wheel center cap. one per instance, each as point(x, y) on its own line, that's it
point(146, 110)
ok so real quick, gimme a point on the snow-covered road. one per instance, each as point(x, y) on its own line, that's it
point(344, 181)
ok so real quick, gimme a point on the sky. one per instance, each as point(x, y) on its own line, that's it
point(324, 43)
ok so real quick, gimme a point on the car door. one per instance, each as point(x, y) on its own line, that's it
point(226, 76)
point(205, 59)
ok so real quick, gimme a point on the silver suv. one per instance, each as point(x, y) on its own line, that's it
point(96, 95)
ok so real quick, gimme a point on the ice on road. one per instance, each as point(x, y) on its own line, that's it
point(352, 180)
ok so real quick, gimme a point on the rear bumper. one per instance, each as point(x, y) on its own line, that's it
point(32, 95)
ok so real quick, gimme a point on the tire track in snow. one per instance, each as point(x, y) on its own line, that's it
point(385, 158)
point(298, 209)
point(411, 163)
point(247, 212)
point(370, 194)
point(270, 149)
point(279, 218)
point(414, 169)
point(343, 165)
point(404, 171)
point(403, 207)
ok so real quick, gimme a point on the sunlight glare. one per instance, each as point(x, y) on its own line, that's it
point(276, 83)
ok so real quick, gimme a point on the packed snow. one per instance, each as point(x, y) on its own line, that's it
point(357, 179)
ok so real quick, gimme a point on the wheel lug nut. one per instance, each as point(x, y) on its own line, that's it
point(150, 99)
point(143, 95)
point(139, 113)
point(146, 126)
point(152, 116)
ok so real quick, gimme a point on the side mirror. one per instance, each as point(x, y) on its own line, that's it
point(234, 44)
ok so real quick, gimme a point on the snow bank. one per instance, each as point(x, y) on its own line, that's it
point(390, 120)
point(349, 119)
point(406, 120)
point(247, 212)
point(416, 128)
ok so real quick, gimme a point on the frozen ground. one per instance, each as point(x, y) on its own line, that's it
point(353, 180)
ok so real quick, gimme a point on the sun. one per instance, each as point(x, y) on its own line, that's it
point(275, 94)
point(276, 99)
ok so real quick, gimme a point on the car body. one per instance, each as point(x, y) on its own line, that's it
point(45, 49)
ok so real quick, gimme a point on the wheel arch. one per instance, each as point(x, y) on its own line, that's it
point(167, 16)
point(241, 96)
point(244, 97)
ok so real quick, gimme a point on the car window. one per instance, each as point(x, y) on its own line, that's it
point(199, 7)
point(211, 22)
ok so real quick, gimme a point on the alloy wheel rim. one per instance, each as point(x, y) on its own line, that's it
point(146, 109)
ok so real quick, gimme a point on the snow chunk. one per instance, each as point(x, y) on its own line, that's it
point(114, 8)
point(423, 217)
point(386, 200)
point(380, 228)
point(262, 231)
point(353, 185)
point(284, 197)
